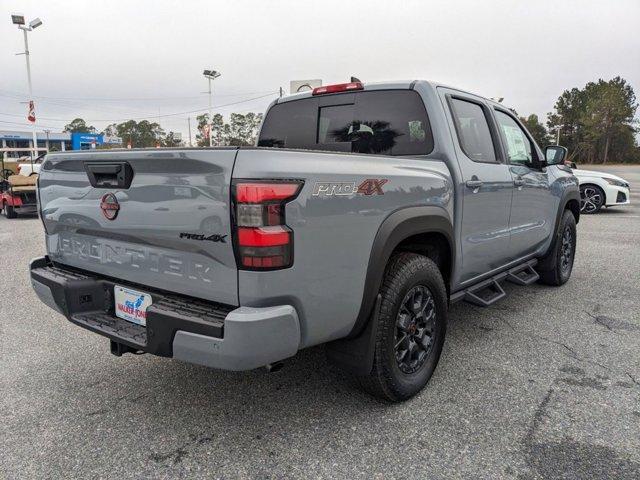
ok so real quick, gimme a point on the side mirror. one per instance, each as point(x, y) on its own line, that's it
point(555, 154)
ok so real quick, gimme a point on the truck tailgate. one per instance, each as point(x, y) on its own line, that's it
point(156, 218)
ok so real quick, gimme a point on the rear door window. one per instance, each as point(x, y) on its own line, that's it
point(473, 130)
point(390, 122)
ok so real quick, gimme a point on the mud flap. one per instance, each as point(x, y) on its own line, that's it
point(356, 354)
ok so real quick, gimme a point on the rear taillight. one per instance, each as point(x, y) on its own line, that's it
point(263, 240)
point(18, 167)
point(340, 87)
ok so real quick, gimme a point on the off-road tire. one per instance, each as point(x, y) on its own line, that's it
point(552, 270)
point(404, 272)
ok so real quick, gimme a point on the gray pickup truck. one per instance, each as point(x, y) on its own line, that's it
point(364, 211)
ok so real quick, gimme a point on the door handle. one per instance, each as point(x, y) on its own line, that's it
point(518, 181)
point(474, 184)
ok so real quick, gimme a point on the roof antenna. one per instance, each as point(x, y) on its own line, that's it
point(355, 79)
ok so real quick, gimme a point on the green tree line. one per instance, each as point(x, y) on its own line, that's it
point(596, 123)
point(140, 134)
point(240, 130)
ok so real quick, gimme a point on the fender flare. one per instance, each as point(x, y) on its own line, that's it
point(567, 195)
point(547, 261)
point(355, 351)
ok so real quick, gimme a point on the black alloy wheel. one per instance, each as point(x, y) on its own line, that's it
point(566, 250)
point(415, 325)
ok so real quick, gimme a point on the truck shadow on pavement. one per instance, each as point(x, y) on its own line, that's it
point(174, 414)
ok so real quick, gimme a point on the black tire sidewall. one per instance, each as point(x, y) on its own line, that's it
point(405, 385)
point(10, 212)
point(568, 220)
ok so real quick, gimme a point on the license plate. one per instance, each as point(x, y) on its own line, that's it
point(131, 305)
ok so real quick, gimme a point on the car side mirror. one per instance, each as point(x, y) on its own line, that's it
point(555, 154)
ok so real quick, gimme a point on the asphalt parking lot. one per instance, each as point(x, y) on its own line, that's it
point(545, 384)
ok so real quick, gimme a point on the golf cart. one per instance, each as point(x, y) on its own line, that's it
point(18, 191)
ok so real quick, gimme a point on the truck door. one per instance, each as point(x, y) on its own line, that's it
point(533, 208)
point(487, 186)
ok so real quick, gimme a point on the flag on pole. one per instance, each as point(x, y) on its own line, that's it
point(32, 112)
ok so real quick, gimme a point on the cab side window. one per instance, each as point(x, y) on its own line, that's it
point(519, 148)
point(473, 131)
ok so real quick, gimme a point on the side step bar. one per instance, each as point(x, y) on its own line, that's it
point(485, 295)
point(489, 291)
point(523, 275)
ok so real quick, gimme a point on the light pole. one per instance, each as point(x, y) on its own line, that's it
point(211, 75)
point(35, 23)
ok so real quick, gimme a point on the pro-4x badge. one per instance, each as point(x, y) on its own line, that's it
point(371, 186)
point(199, 236)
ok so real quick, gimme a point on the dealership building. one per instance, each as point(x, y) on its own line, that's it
point(51, 141)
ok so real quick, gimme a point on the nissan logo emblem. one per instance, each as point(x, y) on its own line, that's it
point(109, 206)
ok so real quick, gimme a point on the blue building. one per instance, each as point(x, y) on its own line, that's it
point(86, 141)
point(14, 141)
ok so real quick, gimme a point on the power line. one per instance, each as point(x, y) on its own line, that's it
point(151, 116)
point(19, 124)
point(10, 94)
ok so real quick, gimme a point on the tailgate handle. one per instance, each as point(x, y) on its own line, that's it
point(109, 175)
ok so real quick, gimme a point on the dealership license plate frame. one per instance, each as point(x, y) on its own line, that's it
point(131, 305)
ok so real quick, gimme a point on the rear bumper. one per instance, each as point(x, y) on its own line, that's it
point(26, 209)
point(206, 333)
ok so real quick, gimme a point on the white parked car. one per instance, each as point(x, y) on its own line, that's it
point(27, 168)
point(599, 189)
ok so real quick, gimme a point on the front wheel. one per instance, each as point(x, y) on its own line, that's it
point(592, 198)
point(411, 328)
point(559, 263)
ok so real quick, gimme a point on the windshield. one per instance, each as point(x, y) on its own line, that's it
point(390, 122)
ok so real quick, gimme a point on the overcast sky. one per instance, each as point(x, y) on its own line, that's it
point(111, 61)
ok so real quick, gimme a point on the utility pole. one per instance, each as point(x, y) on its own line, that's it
point(189, 122)
point(35, 23)
point(47, 131)
point(211, 75)
point(210, 117)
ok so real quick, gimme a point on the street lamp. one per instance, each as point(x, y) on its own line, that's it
point(35, 23)
point(211, 75)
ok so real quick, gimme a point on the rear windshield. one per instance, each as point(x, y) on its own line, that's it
point(390, 122)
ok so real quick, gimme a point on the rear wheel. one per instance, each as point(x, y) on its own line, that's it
point(411, 328)
point(9, 211)
point(592, 198)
